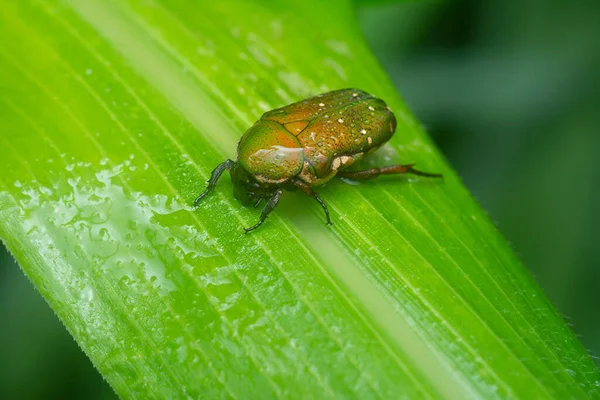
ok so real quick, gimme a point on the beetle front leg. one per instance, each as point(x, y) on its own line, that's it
point(308, 190)
point(389, 170)
point(214, 178)
point(268, 208)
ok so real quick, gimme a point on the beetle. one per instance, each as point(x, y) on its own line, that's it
point(306, 144)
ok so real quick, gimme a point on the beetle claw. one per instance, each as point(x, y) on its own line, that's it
point(199, 198)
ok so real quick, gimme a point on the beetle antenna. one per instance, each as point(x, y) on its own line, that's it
point(260, 199)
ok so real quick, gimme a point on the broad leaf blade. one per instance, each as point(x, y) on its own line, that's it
point(113, 116)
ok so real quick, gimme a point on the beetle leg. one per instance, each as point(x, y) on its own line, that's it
point(214, 178)
point(308, 190)
point(390, 169)
point(268, 208)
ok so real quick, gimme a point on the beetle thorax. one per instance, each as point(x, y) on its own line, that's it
point(270, 153)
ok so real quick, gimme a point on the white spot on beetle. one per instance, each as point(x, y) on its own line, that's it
point(345, 159)
point(371, 108)
point(321, 104)
point(336, 163)
point(354, 94)
point(363, 131)
point(370, 140)
point(341, 121)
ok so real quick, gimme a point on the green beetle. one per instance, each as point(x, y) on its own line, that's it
point(307, 143)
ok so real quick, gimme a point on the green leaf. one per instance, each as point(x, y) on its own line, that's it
point(113, 115)
point(382, 2)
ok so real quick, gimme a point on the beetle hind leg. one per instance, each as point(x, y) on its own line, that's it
point(389, 170)
point(214, 178)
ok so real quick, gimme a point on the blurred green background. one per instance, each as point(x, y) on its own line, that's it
point(510, 92)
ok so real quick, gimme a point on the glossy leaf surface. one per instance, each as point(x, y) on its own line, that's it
point(113, 115)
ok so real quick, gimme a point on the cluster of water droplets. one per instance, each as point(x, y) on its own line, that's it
point(92, 221)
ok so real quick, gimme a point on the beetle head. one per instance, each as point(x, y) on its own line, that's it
point(247, 189)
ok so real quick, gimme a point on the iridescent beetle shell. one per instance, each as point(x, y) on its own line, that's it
point(314, 138)
point(305, 144)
